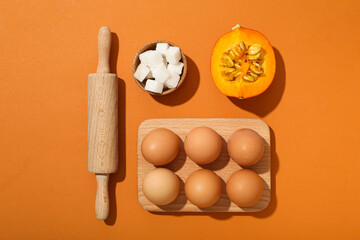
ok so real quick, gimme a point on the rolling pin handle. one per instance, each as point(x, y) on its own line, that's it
point(102, 196)
point(104, 46)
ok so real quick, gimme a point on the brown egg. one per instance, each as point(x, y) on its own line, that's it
point(245, 146)
point(203, 145)
point(160, 146)
point(244, 188)
point(161, 186)
point(203, 188)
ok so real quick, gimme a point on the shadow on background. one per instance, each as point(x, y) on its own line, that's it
point(186, 90)
point(267, 212)
point(266, 102)
point(120, 175)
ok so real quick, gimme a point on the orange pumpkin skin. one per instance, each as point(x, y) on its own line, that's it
point(240, 88)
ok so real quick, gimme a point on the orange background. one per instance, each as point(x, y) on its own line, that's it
point(48, 48)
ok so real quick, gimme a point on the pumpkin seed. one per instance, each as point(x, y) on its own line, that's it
point(238, 49)
point(256, 69)
point(254, 49)
point(253, 75)
point(249, 78)
point(237, 65)
point(243, 46)
point(254, 57)
point(231, 55)
point(229, 70)
point(236, 54)
point(256, 64)
point(238, 73)
point(228, 61)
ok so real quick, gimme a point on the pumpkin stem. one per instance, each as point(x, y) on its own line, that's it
point(236, 26)
point(241, 97)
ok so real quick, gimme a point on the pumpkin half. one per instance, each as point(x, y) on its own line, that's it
point(243, 63)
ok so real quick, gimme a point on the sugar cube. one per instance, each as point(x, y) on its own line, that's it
point(154, 86)
point(160, 73)
point(173, 55)
point(162, 48)
point(175, 67)
point(163, 64)
point(141, 72)
point(151, 58)
point(173, 80)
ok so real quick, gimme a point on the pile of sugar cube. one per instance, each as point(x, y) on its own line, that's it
point(161, 68)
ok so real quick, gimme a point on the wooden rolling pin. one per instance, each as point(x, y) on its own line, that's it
point(103, 124)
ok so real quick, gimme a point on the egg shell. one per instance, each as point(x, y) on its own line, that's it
point(244, 188)
point(160, 146)
point(161, 186)
point(246, 147)
point(203, 188)
point(203, 145)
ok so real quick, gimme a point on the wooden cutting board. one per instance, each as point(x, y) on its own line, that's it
point(223, 166)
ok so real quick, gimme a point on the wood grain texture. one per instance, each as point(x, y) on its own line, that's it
point(103, 138)
point(223, 166)
point(102, 196)
point(104, 47)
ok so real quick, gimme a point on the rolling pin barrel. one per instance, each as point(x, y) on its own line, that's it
point(103, 123)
